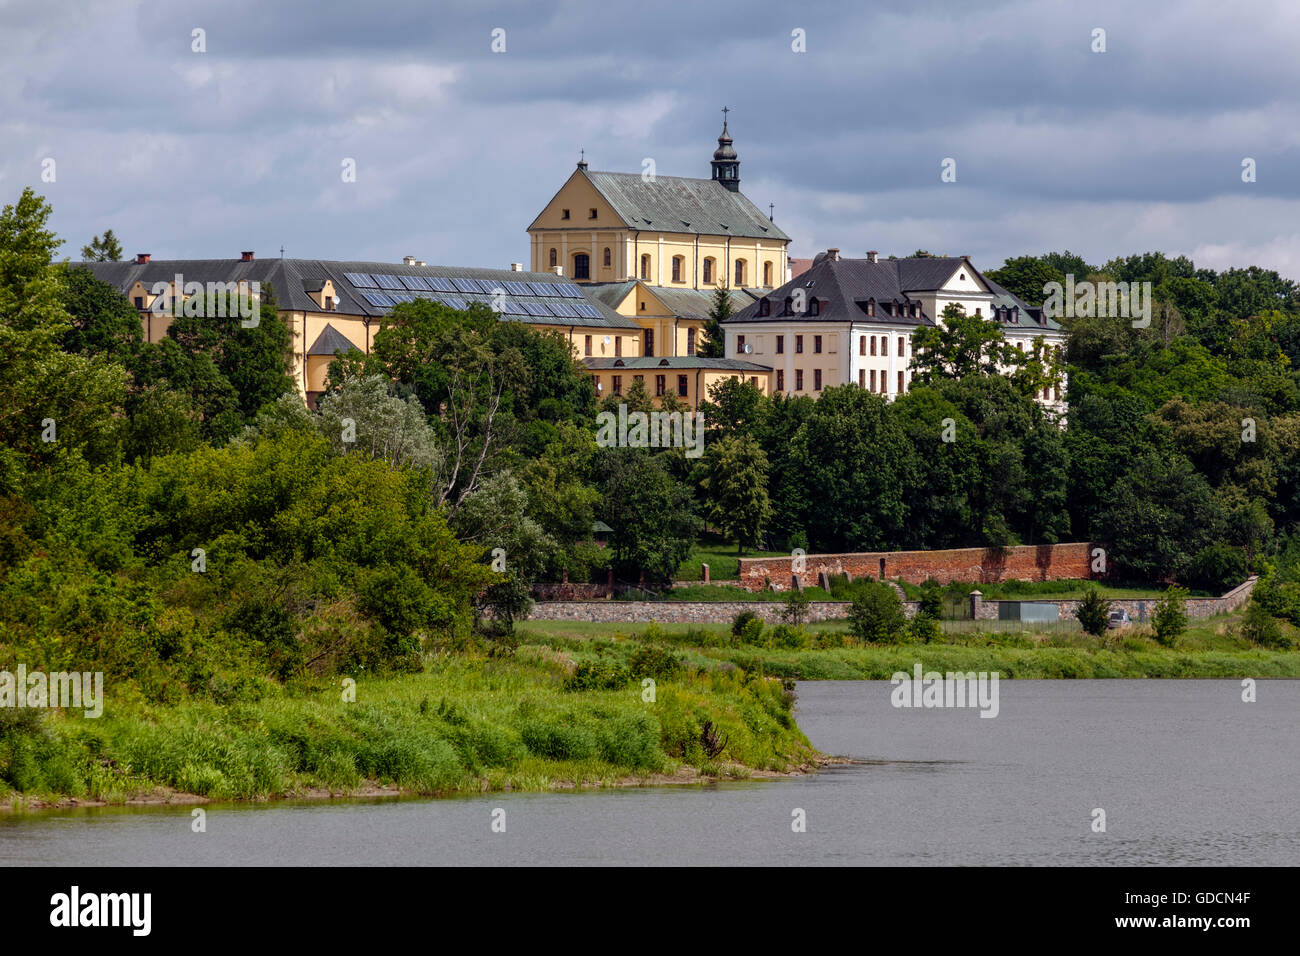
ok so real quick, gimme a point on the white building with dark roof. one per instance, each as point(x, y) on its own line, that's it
point(852, 320)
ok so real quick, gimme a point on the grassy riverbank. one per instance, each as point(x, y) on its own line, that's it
point(1210, 648)
point(466, 725)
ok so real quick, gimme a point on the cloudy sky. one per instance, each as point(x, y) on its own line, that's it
point(457, 147)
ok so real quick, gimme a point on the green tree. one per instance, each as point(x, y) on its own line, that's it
point(714, 344)
point(961, 345)
point(1170, 616)
point(1025, 277)
point(876, 614)
point(735, 489)
point(107, 249)
point(651, 514)
point(1093, 612)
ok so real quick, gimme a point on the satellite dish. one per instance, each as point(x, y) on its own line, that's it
point(607, 340)
point(599, 387)
point(335, 300)
point(748, 348)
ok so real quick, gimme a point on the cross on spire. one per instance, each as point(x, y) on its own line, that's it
point(725, 111)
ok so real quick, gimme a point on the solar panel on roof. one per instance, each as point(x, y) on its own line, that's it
point(388, 282)
point(439, 284)
point(543, 288)
point(512, 307)
point(518, 288)
point(562, 309)
point(414, 283)
point(454, 301)
point(569, 290)
point(360, 280)
point(466, 285)
point(536, 308)
point(378, 299)
point(587, 309)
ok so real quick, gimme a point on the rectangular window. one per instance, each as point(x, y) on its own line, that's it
point(817, 344)
point(649, 343)
point(753, 380)
point(139, 302)
point(690, 341)
point(682, 388)
point(862, 345)
point(677, 268)
point(618, 384)
point(798, 344)
point(740, 344)
point(873, 379)
point(660, 386)
point(862, 378)
point(900, 345)
point(873, 345)
point(780, 380)
point(618, 345)
point(817, 380)
point(780, 345)
point(798, 380)
point(900, 383)
point(587, 344)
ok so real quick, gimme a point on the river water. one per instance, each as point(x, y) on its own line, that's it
point(1186, 772)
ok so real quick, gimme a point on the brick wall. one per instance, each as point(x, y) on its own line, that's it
point(1047, 562)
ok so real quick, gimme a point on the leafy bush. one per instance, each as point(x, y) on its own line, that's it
point(558, 739)
point(740, 622)
point(1170, 616)
point(599, 675)
point(924, 629)
point(752, 632)
point(1260, 627)
point(1217, 568)
point(931, 604)
point(1093, 613)
point(789, 637)
point(653, 660)
point(876, 614)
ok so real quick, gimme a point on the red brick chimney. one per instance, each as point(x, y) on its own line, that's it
point(141, 258)
point(246, 256)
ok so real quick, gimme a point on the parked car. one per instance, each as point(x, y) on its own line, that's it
point(1118, 618)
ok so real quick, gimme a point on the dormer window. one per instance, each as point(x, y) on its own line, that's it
point(871, 308)
point(764, 307)
point(814, 307)
point(789, 306)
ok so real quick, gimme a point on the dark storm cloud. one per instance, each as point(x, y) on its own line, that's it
point(457, 147)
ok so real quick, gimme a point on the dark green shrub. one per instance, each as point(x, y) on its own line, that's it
point(740, 622)
point(1170, 616)
point(786, 636)
point(1093, 613)
point(876, 614)
point(599, 675)
point(558, 740)
point(1217, 568)
point(1260, 627)
point(652, 660)
point(924, 629)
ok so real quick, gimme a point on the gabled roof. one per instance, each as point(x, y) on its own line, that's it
point(680, 204)
point(843, 287)
point(331, 342)
point(292, 278)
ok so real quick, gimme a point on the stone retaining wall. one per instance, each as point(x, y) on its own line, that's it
point(722, 612)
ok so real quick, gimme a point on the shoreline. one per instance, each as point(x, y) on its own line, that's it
point(685, 776)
